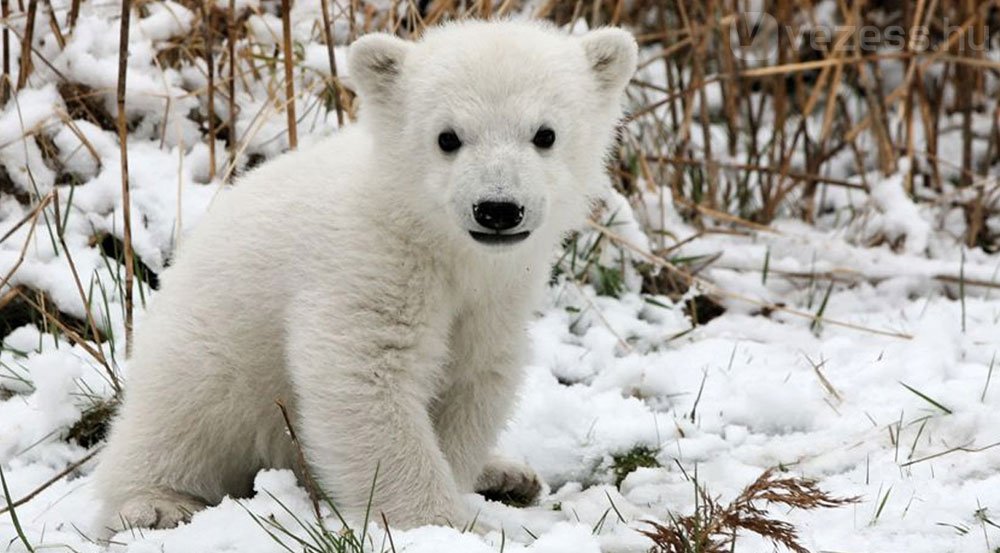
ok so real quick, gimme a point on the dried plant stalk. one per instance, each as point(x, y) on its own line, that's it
point(5, 79)
point(286, 28)
point(328, 36)
point(74, 13)
point(126, 196)
point(714, 528)
point(29, 30)
point(231, 40)
point(210, 67)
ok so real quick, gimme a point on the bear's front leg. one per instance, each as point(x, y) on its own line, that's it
point(486, 371)
point(468, 418)
point(363, 383)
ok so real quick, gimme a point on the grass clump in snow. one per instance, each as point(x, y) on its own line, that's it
point(714, 528)
point(590, 259)
point(92, 427)
point(626, 463)
point(313, 536)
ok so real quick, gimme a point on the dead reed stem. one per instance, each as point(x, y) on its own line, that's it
point(210, 67)
point(126, 195)
point(231, 44)
point(334, 82)
point(54, 26)
point(793, 175)
point(74, 13)
point(286, 28)
point(5, 80)
point(29, 31)
point(308, 480)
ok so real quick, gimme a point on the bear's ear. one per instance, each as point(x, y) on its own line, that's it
point(612, 54)
point(375, 63)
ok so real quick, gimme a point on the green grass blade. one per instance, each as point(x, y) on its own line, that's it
point(13, 513)
point(927, 398)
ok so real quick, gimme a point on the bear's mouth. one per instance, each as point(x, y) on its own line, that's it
point(495, 238)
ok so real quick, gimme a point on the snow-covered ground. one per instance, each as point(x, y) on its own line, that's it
point(891, 396)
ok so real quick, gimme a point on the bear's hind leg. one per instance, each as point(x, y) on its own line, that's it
point(159, 467)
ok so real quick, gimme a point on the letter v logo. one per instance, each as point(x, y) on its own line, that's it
point(753, 36)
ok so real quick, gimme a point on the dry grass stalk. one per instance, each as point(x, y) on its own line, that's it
point(74, 13)
point(310, 483)
point(210, 67)
point(792, 175)
point(95, 332)
point(70, 469)
point(8, 297)
point(334, 83)
point(73, 336)
point(32, 220)
point(29, 31)
point(126, 196)
point(852, 277)
point(928, 60)
point(54, 26)
point(72, 126)
point(712, 289)
point(714, 528)
point(5, 79)
point(289, 59)
point(231, 84)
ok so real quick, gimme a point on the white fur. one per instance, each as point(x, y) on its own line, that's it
point(342, 280)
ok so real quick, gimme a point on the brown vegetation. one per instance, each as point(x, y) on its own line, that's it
point(714, 527)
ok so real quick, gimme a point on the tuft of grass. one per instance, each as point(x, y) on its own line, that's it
point(714, 528)
point(93, 426)
point(640, 456)
point(882, 500)
point(317, 537)
point(581, 259)
point(609, 282)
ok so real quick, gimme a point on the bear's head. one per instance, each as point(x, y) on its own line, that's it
point(497, 132)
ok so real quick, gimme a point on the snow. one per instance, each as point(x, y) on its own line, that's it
point(762, 405)
point(898, 405)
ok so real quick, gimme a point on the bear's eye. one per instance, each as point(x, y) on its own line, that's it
point(448, 141)
point(544, 138)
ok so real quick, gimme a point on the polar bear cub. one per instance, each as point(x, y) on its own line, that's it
point(378, 284)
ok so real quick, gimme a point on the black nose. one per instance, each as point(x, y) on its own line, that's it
point(498, 215)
